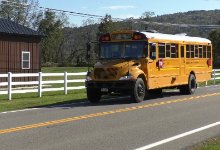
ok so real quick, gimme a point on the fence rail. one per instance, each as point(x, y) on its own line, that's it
point(10, 83)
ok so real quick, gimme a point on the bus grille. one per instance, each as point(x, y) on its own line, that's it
point(109, 73)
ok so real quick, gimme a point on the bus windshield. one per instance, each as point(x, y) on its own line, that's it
point(115, 50)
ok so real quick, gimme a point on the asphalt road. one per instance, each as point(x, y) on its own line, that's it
point(163, 122)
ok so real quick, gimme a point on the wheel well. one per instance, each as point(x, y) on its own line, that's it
point(192, 72)
point(142, 76)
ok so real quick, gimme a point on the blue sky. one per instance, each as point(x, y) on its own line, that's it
point(127, 8)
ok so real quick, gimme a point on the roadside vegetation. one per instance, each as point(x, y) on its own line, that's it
point(213, 144)
point(29, 100)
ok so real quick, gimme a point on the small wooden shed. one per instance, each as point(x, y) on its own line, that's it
point(20, 50)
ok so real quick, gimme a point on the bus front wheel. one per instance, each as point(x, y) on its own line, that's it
point(138, 93)
point(93, 95)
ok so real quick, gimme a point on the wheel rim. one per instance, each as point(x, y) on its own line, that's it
point(140, 90)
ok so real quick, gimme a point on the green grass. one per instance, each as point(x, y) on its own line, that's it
point(213, 144)
point(29, 100)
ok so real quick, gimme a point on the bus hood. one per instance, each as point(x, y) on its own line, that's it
point(117, 63)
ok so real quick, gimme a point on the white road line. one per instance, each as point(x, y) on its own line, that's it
point(177, 136)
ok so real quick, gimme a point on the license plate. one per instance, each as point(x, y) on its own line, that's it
point(104, 89)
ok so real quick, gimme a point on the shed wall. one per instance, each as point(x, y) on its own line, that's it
point(11, 48)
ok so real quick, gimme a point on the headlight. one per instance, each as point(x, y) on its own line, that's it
point(126, 77)
point(88, 78)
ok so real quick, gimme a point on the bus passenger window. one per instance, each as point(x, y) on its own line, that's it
point(187, 51)
point(177, 50)
point(182, 52)
point(196, 51)
point(168, 50)
point(200, 51)
point(208, 51)
point(153, 51)
point(173, 51)
point(204, 51)
point(192, 51)
point(161, 50)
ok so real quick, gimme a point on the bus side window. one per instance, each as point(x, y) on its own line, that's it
point(204, 51)
point(153, 51)
point(208, 51)
point(182, 52)
point(196, 51)
point(200, 51)
point(161, 50)
point(192, 51)
point(187, 51)
point(173, 51)
point(168, 50)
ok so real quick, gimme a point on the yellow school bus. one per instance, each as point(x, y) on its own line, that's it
point(140, 63)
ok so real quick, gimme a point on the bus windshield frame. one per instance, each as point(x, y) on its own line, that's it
point(121, 50)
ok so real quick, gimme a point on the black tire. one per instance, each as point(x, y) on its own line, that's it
point(138, 93)
point(155, 92)
point(93, 95)
point(190, 88)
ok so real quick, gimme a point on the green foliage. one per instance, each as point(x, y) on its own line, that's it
point(85, 63)
point(52, 27)
point(14, 10)
point(214, 36)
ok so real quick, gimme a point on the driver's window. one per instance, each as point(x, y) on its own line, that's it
point(153, 50)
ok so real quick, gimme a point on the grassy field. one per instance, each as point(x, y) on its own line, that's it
point(29, 100)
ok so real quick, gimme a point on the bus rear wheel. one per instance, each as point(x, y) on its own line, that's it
point(93, 95)
point(138, 93)
point(190, 87)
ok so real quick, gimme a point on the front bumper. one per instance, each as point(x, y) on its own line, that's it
point(111, 85)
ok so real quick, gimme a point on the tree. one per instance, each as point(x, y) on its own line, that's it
point(146, 19)
point(22, 12)
point(52, 26)
point(214, 36)
point(107, 25)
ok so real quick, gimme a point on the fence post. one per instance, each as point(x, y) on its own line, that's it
point(214, 77)
point(40, 84)
point(206, 83)
point(9, 85)
point(65, 82)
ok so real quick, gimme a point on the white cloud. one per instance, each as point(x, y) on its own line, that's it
point(84, 7)
point(127, 16)
point(117, 7)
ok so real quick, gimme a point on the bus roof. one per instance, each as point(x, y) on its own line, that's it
point(176, 37)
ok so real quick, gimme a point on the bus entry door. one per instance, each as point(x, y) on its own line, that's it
point(182, 59)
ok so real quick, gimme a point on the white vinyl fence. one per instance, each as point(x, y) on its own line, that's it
point(39, 83)
point(65, 81)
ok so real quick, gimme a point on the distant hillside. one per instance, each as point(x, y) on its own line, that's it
point(201, 17)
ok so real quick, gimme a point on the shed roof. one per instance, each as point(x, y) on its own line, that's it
point(10, 27)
